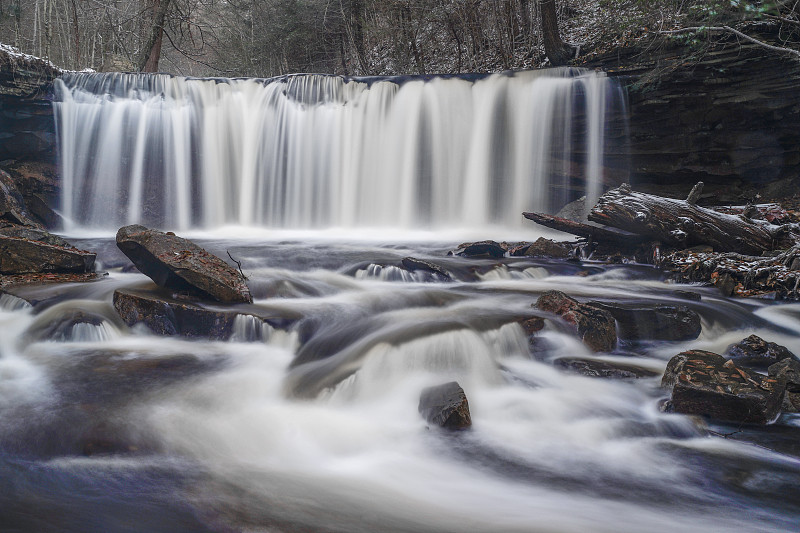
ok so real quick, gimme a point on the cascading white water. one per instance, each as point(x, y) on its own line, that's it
point(315, 151)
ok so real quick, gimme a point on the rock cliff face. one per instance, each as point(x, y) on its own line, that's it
point(27, 130)
point(727, 115)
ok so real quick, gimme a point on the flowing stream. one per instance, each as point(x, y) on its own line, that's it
point(313, 425)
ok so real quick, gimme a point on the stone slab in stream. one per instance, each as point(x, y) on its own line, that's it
point(25, 256)
point(445, 406)
point(705, 383)
point(658, 322)
point(602, 369)
point(179, 264)
point(165, 315)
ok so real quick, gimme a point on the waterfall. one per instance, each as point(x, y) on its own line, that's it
point(316, 151)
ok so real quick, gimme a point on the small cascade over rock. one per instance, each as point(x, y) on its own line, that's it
point(317, 151)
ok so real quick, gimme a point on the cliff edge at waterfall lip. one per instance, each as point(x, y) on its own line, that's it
point(13, 54)
point(179, 264)
point(23, 75)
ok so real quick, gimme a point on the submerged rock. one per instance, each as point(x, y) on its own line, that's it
point(413, 264)
point(757, 353)
point(595, 326)
point(179, 264)
point(661, 322)
point(66, 326)
point(705, 383)
point(20, 255)
point(602, 369)
point(445, 406)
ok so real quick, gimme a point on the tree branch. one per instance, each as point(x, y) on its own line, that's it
point(784, 19)
point(738, 33)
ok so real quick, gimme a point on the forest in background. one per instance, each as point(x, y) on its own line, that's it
point(265, 38)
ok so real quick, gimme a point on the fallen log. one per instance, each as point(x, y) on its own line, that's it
point(613, 236)
point(682, 224)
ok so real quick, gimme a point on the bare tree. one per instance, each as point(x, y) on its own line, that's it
point(557, 51)
point(151, 48)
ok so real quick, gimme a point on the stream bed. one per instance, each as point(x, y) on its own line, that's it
point(312, 425)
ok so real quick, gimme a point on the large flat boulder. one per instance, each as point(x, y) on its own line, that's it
point(595, 326)
point(19, 255)
point(179, 264)
point(705, 383)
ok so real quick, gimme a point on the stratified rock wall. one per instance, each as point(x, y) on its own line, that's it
point(727, 115)
point(27, 128)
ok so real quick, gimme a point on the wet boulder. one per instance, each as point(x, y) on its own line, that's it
point(547, 248)
point(602, 369)
point(595, 326)
point(482, 249)
point(445, 406)
point(179, 264)
point(705, 383)
point(659, 322)
point(531, 325)
point(22, 255)
point(757, 353)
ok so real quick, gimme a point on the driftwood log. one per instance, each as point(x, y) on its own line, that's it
point(682, 224)
point(613, 236)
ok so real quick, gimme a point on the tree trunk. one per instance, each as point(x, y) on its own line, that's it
point(48, 27)
point(76, 30)
point(557, 51)
point(151, 50)
point(357, 20)
point(17, 10)
point(679, 223)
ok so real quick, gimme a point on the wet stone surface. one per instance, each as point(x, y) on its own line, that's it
point(705, 383)
point(595, 326)
point(445, 406)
